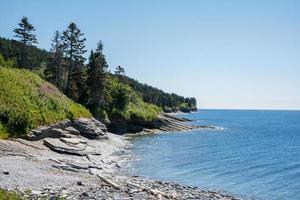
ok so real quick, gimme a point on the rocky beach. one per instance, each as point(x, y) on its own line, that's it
point(81, 160)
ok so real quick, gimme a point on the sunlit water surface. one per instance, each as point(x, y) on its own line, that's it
point(252, 154)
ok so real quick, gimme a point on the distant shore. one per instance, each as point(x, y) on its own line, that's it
point(80, 168)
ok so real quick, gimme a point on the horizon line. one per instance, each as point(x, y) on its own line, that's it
point(254, 109)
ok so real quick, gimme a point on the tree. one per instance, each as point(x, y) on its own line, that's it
point(120, 71)
point(97, 69)
point(120, 96)
point(27, 39)
point(74, 49)
point(56, 72)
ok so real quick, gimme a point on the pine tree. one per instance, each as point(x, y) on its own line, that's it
point(74, 49)
point(56, 72)
point(27, 39)
point(120, 71)
point(97, 69)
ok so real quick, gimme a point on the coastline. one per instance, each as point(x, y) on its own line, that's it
point(36, 171)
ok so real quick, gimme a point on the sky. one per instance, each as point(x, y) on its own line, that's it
point(226, 53)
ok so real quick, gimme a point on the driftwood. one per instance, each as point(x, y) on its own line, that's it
point(109, 182)
point(156, 193)
point(106, 180)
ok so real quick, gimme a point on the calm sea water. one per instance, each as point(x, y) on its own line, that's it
point(253, 154)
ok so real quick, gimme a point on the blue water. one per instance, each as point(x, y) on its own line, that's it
point(253, 155)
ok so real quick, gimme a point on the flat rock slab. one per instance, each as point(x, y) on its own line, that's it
point(61, 147)
point(73, 141)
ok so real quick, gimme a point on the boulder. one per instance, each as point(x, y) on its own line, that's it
point(90, 128)
point(99, 124)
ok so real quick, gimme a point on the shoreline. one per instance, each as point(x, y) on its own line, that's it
point(37, 171)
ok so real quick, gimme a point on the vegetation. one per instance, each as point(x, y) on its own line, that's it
point(27, 101)
point(8, 195)
point(27, 39)
point(11, 49)
point(96, 82)
point(124, 104)
point(168, 102)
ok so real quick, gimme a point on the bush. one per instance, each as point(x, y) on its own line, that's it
point(184, 107)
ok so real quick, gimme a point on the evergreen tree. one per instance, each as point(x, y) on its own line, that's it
point(56, 72)
point(97, 69)
point(27, 39)
point(74, 49)
point(120, 71)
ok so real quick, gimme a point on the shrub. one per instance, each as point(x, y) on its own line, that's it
point(184, 107)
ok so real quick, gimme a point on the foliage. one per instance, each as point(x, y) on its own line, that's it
point(56, 67)
point(74, 49)
point(97, 69)
point(7, 63)
point(25, 35)
point(125, 104)
point(11, 49)
point(149, 94)
point(27, 101)
point(184, 107)
point(120, 71)
point(8, 195)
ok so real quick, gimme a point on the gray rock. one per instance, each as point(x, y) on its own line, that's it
point(62, 124)
point(36, 192)
point(90, 128)
point(99, 124)
point(73, 141)
point(85, 194)
point(72, 130)
point(45, 131)
point(5, 172)
point(55, 132)
point(58, 146)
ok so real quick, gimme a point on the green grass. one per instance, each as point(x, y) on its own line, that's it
point(7, 195)
point(27, 101)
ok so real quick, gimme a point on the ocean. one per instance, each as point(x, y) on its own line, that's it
point(252, 154)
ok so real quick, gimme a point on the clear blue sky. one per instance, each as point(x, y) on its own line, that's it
point(226, 53)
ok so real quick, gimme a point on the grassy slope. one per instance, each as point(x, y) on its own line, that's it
point(27, 101)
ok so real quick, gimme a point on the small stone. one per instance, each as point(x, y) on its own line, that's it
point(85, 194)
point(79, 183)
point(36, 192)
point(5, 172)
